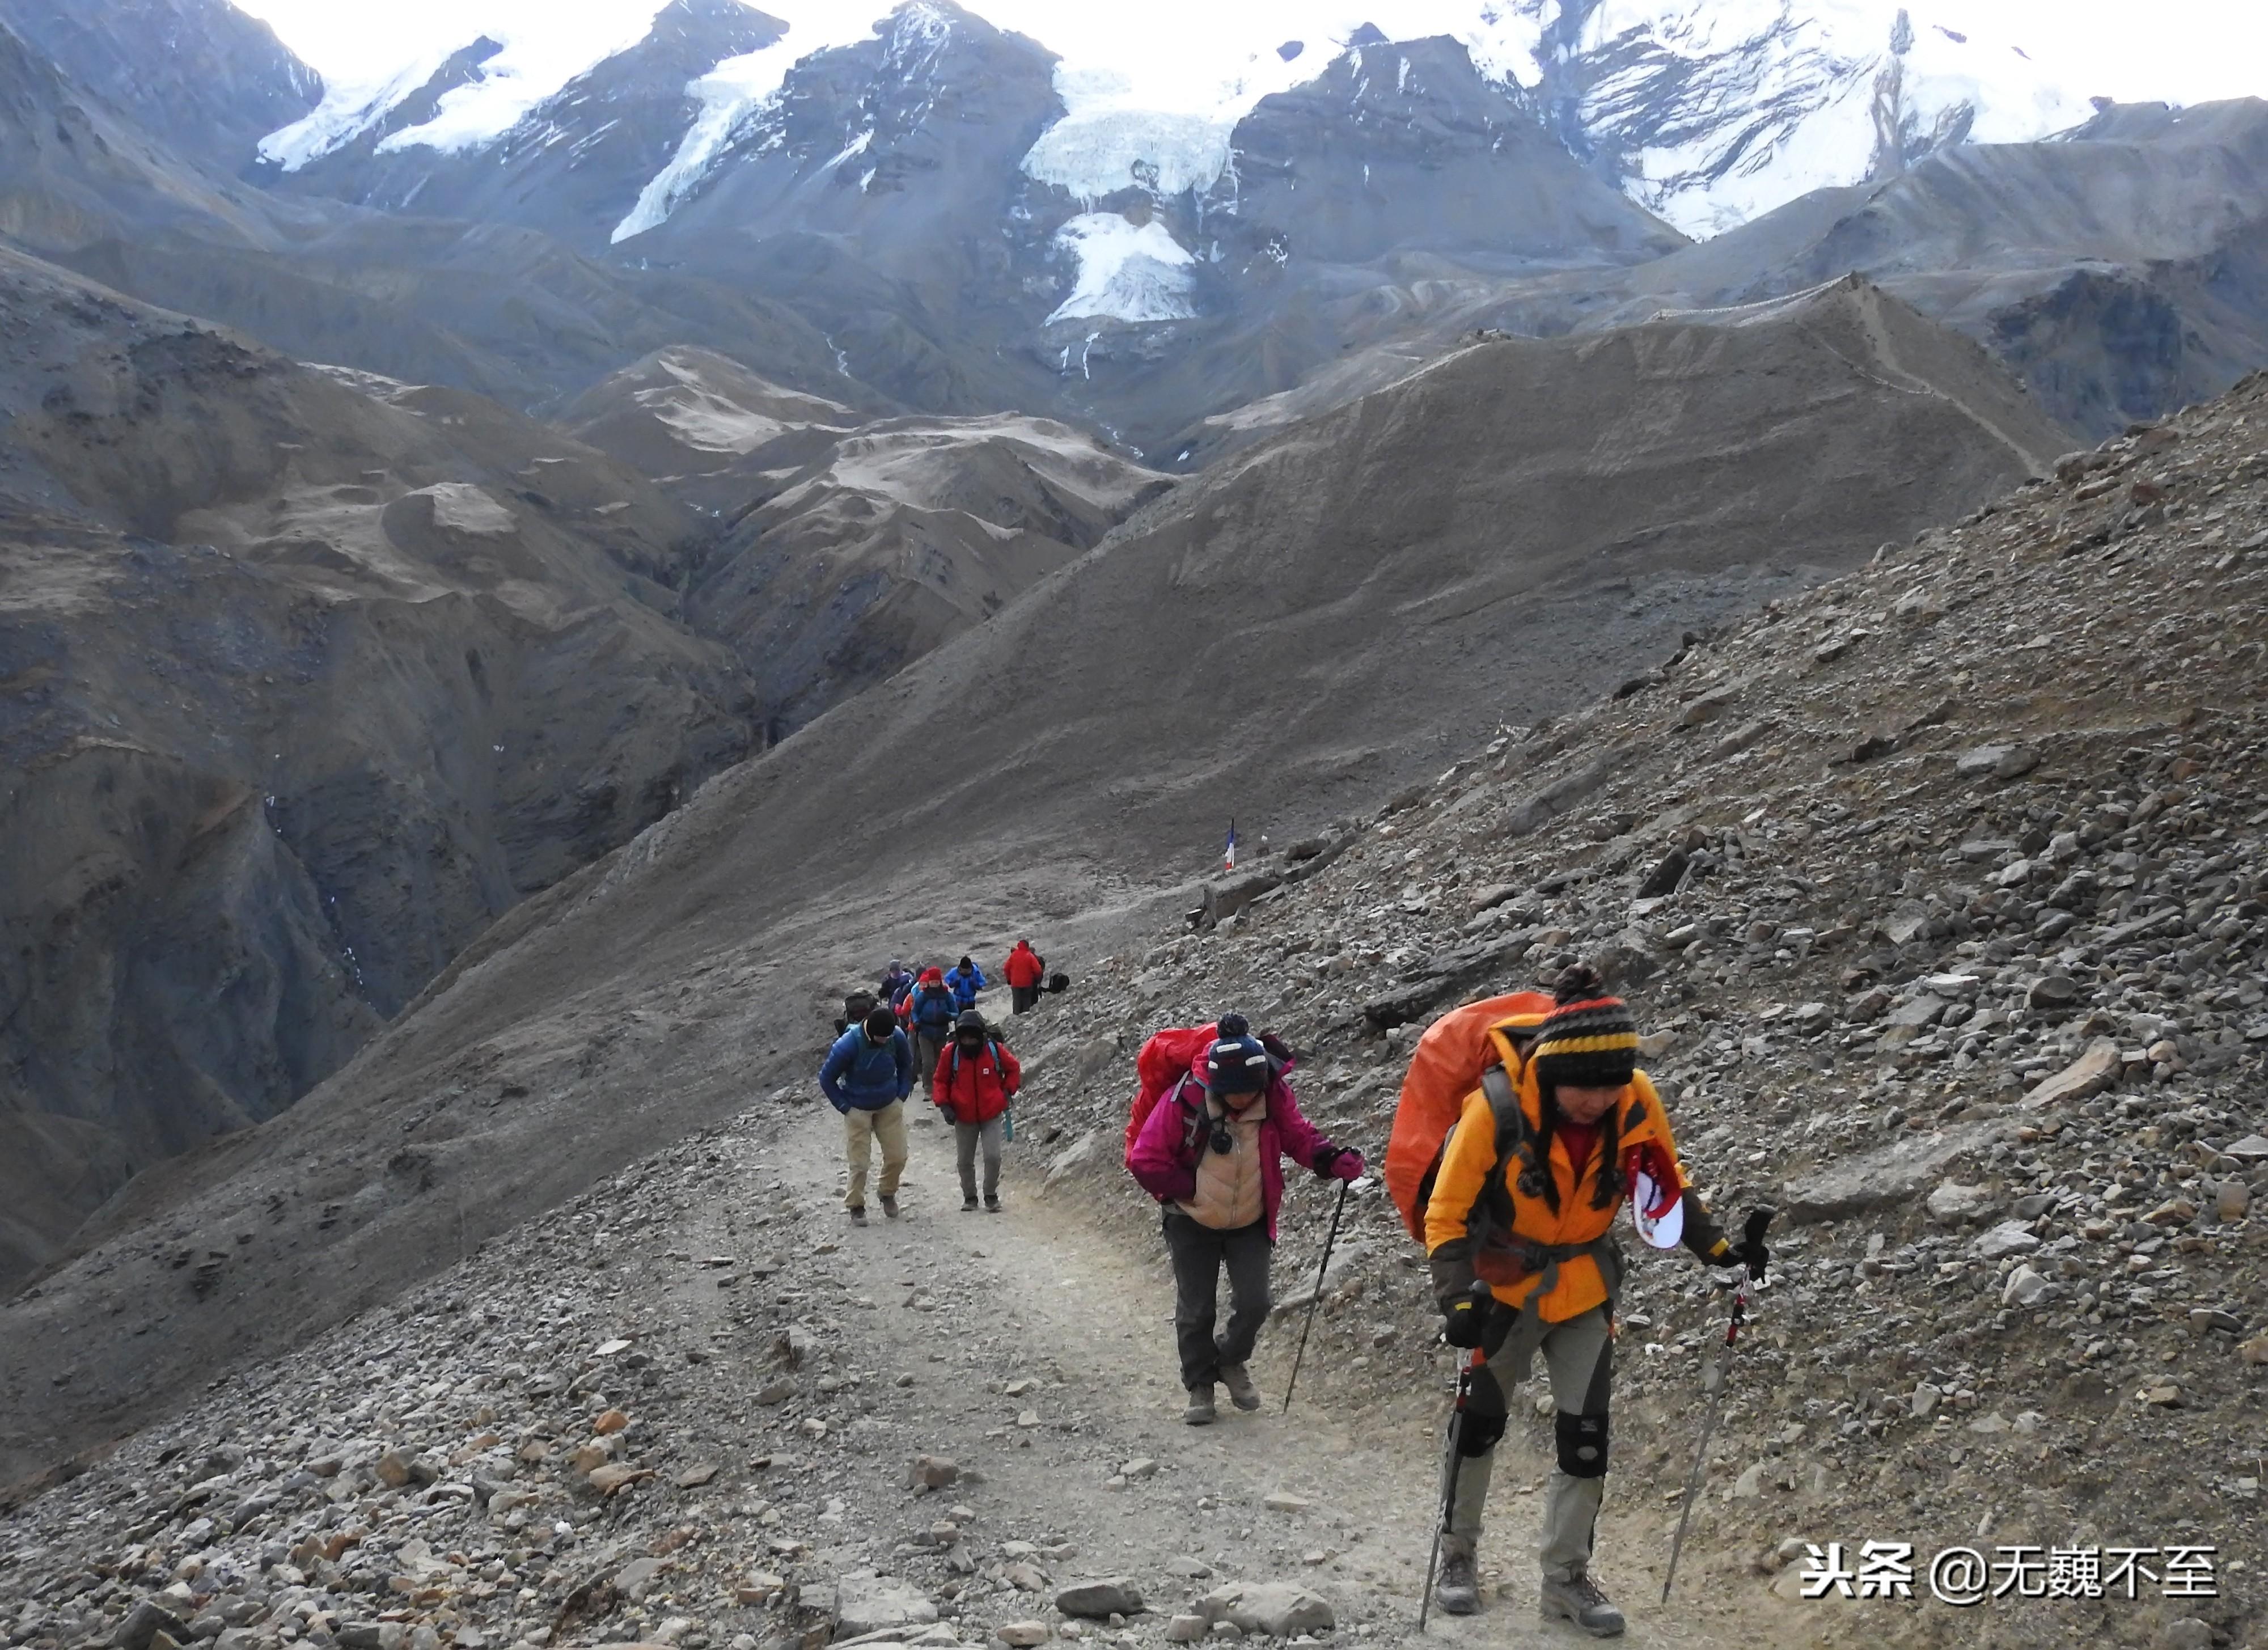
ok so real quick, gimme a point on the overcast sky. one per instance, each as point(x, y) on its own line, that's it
point(2185, 50)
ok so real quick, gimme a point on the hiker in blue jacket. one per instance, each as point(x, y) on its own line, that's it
point(867, 1076)
point(966, 981)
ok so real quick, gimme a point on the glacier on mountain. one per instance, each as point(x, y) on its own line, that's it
point(345, 114)
point(1711, 112)
point(1127, 271)
point(1706, 112)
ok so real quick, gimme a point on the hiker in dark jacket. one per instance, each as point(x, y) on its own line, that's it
point(867, 1076)
point(966, 981)
point(928, 1013)
point(897, 981)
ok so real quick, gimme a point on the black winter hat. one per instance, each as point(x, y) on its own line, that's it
point(1589, 1040)
point(969, 1020)
point(881, 1024)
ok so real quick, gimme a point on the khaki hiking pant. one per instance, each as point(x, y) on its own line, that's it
point(1578, 1355)
point(860, 1130)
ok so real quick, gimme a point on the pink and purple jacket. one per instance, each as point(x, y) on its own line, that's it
point(1168, 1173)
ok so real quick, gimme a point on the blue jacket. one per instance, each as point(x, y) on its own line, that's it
point(895, 987)
point(931, 1011)
point(863, 1076)
point(966, 983)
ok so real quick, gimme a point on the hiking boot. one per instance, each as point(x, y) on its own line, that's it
point(858, 1215)
point(1457, 1589)
point(968, 1206)
point(992, 1205)
point(1200, 1413)
point(1238, 1379)
point(1578, 1599)
point(890, 1208)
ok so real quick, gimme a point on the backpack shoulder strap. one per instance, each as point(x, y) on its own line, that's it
point(1504, 1105)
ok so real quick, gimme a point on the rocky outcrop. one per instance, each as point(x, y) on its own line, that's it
point(203, 77)
point(1406, 147)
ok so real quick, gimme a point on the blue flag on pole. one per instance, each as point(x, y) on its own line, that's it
point(1228, 858)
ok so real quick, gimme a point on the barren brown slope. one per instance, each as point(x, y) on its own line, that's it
point(852, 544)
point(1495, 540)
point(304, 680)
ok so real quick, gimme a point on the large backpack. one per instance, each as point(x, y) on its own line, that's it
point(1164, 1060)
point(1462, 1050)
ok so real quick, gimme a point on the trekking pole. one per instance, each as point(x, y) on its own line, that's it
point(1714, 1381)
point(1316, 1298)
point(1452, 1458)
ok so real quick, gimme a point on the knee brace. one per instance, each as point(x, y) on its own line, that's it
point(1484, 1417)
point(1482, 1434)
point(1582, 1440)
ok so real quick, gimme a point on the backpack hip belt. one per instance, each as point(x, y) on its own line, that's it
point(1516, 1352)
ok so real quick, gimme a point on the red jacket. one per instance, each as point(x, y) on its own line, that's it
point(976, 1088)
point(1023, 966)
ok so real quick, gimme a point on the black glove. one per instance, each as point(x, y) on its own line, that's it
point(1749, 1252)
point(1466, 1322)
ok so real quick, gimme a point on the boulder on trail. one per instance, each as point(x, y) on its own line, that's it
point(872, 1604)
point(1100, 1599)
point(1278, 1609)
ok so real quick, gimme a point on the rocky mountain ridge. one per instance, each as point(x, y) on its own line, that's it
point(1392, 582)
point(1886, 869)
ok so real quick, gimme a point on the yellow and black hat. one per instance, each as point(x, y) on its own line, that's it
point(1590, 1039)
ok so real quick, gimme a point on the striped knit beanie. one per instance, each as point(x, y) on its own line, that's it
point(1588, 1040)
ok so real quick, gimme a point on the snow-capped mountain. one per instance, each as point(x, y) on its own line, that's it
point(1707, 113)
point(567, 165)
point(1713, 112)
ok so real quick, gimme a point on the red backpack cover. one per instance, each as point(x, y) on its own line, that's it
point(1444, 1069)
point(1164, 1060)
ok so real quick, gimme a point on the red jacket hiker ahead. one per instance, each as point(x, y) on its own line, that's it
point(1024, 966)
point(976, 1087)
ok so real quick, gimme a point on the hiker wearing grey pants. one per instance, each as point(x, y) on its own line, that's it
point(972, 1083)
point(1199, 1252)
point(1578, 1355)
point(966, 1137)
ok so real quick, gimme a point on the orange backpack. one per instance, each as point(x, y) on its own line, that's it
point(1164, 1060)
point(1451, 1060)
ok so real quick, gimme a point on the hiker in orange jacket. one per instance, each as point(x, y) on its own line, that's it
point(976, 1078)
point(1535, 1226)
point(1024, 970)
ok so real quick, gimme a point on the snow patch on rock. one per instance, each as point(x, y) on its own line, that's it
point(1127, 271)
point(345, 114)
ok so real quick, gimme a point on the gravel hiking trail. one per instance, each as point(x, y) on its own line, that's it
point(1039, 1345)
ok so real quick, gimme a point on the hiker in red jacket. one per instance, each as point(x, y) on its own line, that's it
point(1211, 1151)
point(1024, 970)
point(976, 1078)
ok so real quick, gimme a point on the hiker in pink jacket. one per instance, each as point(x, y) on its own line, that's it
point(1212, 1153)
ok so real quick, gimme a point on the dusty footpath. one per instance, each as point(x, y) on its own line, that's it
point(692, 1407)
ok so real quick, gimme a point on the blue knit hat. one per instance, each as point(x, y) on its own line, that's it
point(1237, 1065)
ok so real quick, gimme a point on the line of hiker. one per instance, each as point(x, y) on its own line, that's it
point(1523, 1124)
point(922, 1026)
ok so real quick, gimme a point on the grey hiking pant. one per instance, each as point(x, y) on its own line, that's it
point(1199, 1252)
point(927, 1050)
point(965, 1139)
point(1579, 1358)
